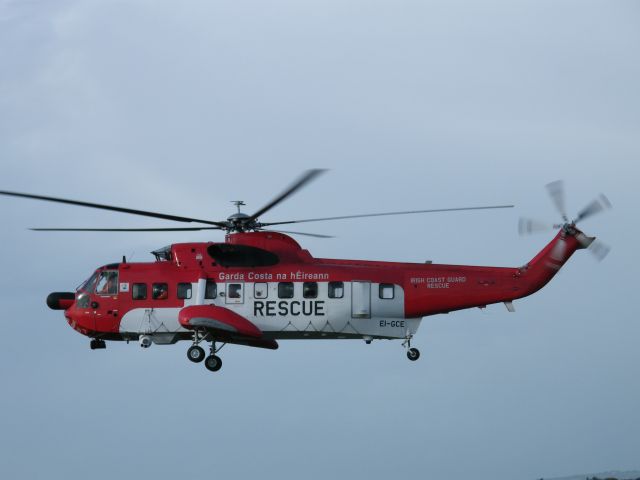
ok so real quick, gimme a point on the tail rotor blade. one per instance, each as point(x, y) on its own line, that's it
point(599, 250)
point(556, 192)
point(528, 226)
point(598, 205)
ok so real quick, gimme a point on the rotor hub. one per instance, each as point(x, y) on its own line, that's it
point(238, 217)
point(241, 222)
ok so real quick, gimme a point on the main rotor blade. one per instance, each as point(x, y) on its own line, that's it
point(316, 235)
point(179, 229)
point(596, 206)
point(306, 177)
point(409, 212)
point(556, 191)
point(112, 208)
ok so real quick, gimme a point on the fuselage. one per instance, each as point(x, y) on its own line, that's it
point(287, 293)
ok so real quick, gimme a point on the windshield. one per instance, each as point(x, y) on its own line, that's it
point(87, 286)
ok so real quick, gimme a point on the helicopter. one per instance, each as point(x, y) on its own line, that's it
point(260, 286)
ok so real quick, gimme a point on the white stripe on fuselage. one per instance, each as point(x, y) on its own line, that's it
point(321, 316)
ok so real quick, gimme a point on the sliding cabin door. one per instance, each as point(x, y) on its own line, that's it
point(361, 299)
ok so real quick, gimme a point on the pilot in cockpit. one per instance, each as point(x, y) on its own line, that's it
point(108, 284)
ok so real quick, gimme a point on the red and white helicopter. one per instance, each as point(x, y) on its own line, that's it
point(260, 286)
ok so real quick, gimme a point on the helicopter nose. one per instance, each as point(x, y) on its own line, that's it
point(60, 300)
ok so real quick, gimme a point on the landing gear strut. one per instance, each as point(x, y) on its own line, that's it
point(96, 344)
point(196, 352)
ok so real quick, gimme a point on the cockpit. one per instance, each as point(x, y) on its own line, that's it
point(107, 283)
point(104, 282)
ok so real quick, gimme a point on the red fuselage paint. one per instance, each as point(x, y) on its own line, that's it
point(428, 288)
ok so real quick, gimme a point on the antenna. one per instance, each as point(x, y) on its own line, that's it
point(238, 204)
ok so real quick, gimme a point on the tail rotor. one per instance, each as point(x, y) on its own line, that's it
point(556, 191)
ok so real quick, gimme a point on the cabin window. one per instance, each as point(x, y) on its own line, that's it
point(210, 290)
point(310, 290)
point(386, 291)
point(234, 290)
point(107, 283)
point(336, 289)
point(139, 291)
point(285, 290)
point(160, 291)
point(260, 290)
point(184, 291)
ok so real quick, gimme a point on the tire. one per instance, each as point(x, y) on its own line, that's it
point(195, 354)
point(413, 354)
point(213, 363)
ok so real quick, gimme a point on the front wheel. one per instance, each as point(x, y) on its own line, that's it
point(413, 354)
point(96, 344)
point(213, 363)
point(195, 354)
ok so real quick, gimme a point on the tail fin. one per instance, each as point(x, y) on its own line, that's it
point(544, 266)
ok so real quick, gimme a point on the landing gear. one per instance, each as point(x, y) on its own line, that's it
point(413, 354)
point(213, 363)
point(196, 354)
point(96, 344)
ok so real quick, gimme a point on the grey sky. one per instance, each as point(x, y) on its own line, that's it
point(182, 107)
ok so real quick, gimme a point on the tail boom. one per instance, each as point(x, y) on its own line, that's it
point(437, 289)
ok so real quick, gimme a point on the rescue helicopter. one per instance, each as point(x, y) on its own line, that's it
point(260, 286)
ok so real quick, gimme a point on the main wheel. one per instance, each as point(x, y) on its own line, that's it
point(213, 363)
point(195, 354)
point(413, 354)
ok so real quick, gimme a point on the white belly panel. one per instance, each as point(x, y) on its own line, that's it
point(151, 320)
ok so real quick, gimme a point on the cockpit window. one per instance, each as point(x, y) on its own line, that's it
point(107, 283)
point(87, 286)
point(83, 300)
